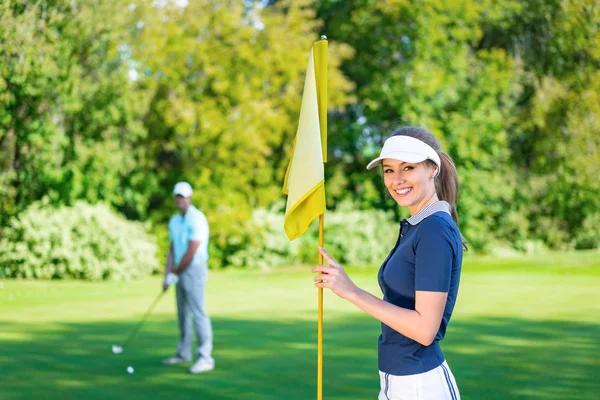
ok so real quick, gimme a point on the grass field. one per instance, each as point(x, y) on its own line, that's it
point(525, 328)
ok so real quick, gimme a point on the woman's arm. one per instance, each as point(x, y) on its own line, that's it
point(421, 324)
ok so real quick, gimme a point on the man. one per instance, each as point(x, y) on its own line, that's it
point(187, 269)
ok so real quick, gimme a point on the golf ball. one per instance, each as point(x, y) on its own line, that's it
point(130, 370)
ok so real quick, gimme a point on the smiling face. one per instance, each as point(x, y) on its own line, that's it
point(410, 184)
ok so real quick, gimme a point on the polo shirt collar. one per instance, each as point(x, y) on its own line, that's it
point(190, 208)
point(439, 205)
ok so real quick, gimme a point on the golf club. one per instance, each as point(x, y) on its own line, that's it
point(116, 349)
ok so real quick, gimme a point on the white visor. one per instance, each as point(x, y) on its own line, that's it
point(407, 149)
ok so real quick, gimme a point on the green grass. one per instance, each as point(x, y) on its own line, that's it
point(522, 329)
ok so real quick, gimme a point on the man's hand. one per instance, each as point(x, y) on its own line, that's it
point(170, 279)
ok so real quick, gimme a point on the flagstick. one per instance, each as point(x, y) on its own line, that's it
point(320, 321)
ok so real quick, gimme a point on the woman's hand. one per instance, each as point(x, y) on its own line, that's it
point(334, 277)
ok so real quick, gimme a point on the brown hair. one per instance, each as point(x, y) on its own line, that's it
point(446, 182)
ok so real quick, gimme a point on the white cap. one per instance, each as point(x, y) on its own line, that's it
point(407, 149)
point(183, 189)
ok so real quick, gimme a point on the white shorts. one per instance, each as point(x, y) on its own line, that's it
point(437, 384)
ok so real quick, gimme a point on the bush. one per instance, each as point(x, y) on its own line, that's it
point(267, 245)
point(589, 235)
point(84, 241)
point(358, 238)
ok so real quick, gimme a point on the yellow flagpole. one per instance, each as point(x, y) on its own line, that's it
point(304, 181)
point(320, 54)
point(320, 320)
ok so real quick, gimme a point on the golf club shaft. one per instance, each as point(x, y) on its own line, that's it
point(137, 328)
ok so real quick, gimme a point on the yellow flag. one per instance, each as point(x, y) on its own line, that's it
point(305, 177)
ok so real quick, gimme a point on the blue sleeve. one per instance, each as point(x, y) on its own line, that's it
point(434, 255)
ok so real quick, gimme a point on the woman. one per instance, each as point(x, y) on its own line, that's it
point(420, 277)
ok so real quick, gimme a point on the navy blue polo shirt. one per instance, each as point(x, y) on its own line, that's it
point(428, 257)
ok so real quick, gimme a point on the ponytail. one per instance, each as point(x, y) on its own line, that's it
point(446, 187)
point(446, 184)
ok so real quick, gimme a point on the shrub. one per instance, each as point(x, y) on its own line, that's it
point(352, 237)
point(356, 237)
point(589, 235)
point(83, 241)
point(267, 245)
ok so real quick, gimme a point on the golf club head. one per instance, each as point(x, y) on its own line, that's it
point(116, 349)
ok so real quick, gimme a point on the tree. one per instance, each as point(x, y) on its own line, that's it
point(225, 85)
point(419, 64)
point(69, 124)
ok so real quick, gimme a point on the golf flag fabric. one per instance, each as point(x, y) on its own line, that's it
point(305, 177)
point(320, 53)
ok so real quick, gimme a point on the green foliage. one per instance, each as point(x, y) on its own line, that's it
point(353, 237)
point(225, 98)
point(589, 235)
point(80, 242)
point(511, 91)
point(267, 247)
point(114, 101)
point(69, 121)
point(424, 69)
point(360, 238)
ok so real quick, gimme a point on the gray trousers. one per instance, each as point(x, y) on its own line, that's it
point(191, 311)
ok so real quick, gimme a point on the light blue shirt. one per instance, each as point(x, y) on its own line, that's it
point(191, 226)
